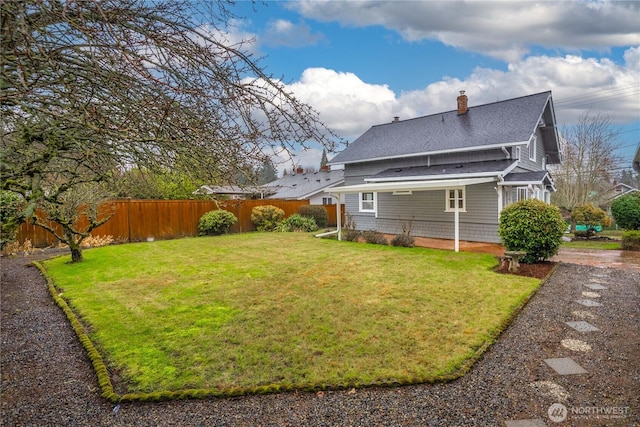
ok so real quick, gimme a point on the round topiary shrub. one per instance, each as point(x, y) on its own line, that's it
point(266, 217)
point(297, 222)
point(214, 223)
point(626, 211)
point(317, 212)
point(532, 226)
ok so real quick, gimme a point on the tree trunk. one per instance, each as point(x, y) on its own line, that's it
point(74, 245)
point(76, 254)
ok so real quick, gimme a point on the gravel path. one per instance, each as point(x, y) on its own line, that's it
point(47, 378)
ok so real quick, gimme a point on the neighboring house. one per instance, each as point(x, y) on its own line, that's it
point(618, 190)
point(312, 186)
point(449, 175)
point(232, 192)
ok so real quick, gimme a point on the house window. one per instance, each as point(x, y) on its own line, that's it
point(522, 193)
point(451, 195)
point(532, 148)
point(327, 201)
point(367, 202)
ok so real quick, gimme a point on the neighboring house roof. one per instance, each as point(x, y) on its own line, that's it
point(499, 124)
point(618, 190)
point(300, 186)
point(232, 190)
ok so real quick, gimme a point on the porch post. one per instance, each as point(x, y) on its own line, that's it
point(456, 221)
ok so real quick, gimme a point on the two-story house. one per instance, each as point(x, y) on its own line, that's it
point(449, 175)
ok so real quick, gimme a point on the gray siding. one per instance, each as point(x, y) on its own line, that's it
point(425, 212)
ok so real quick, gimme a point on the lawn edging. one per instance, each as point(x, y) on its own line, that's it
point(104, 380)
point(108, 392)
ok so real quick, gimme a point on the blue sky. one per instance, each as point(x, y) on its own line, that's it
point(360, 63)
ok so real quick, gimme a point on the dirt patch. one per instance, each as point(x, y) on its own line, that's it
point(539, 270)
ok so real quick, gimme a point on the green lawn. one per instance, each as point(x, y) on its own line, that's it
point(241, 311)
point(593, 244)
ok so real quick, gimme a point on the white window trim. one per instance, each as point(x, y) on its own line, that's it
point(375, 202)
point(447, 208)
point(526, 193)
point(533, 142)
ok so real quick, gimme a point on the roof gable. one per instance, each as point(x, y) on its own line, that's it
point(504, 123)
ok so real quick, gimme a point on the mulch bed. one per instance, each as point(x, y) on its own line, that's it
point(539, 270)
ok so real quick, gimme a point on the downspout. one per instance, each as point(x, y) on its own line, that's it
point(506, 152)
point(338, 230)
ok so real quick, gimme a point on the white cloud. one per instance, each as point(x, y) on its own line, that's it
point(500, 29)
point(281, 32)
point(579, 85)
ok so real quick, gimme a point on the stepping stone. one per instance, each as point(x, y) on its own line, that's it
point(575, 345)
point(591, 294)
point(584, 314)
point(595, 286)
point(588, 303)
point(526, 423)
point(550, 389)
point(582, 326)
point(565, 366)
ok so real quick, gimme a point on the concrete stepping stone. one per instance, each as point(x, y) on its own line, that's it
point(575, 345)
point(595, 286)
point(550, 389)
point(582, 326)
point(591, 294)
point(584, 314)
point(565, 366)
point(537, 422)
point(588, 303)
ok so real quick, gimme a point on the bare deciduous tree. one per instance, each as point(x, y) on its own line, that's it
point(589, 162)
point(78, 210)
point(88, 87)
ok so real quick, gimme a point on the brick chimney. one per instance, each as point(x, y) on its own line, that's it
point(299, 169)
point(462, 103)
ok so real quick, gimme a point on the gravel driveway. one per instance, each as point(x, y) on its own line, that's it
point(47, 378)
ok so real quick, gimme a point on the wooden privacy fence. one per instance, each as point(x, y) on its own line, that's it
point(139, 220)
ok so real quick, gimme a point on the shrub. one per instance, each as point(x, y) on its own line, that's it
point(214, 223)
point(317, 212)
point(349, 232)
point(626, 211)
point(591, 216)
point(11, 206)
point(532, 226)
point(631, 240)
point(351, 235)
point(266, 217)
point(374, 237)
point(297, 222)
point(403, 240)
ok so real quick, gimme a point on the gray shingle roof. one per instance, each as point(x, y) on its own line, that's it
point(505, 122)
point(534, 176)
point(304, 185)
point(493, 167)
